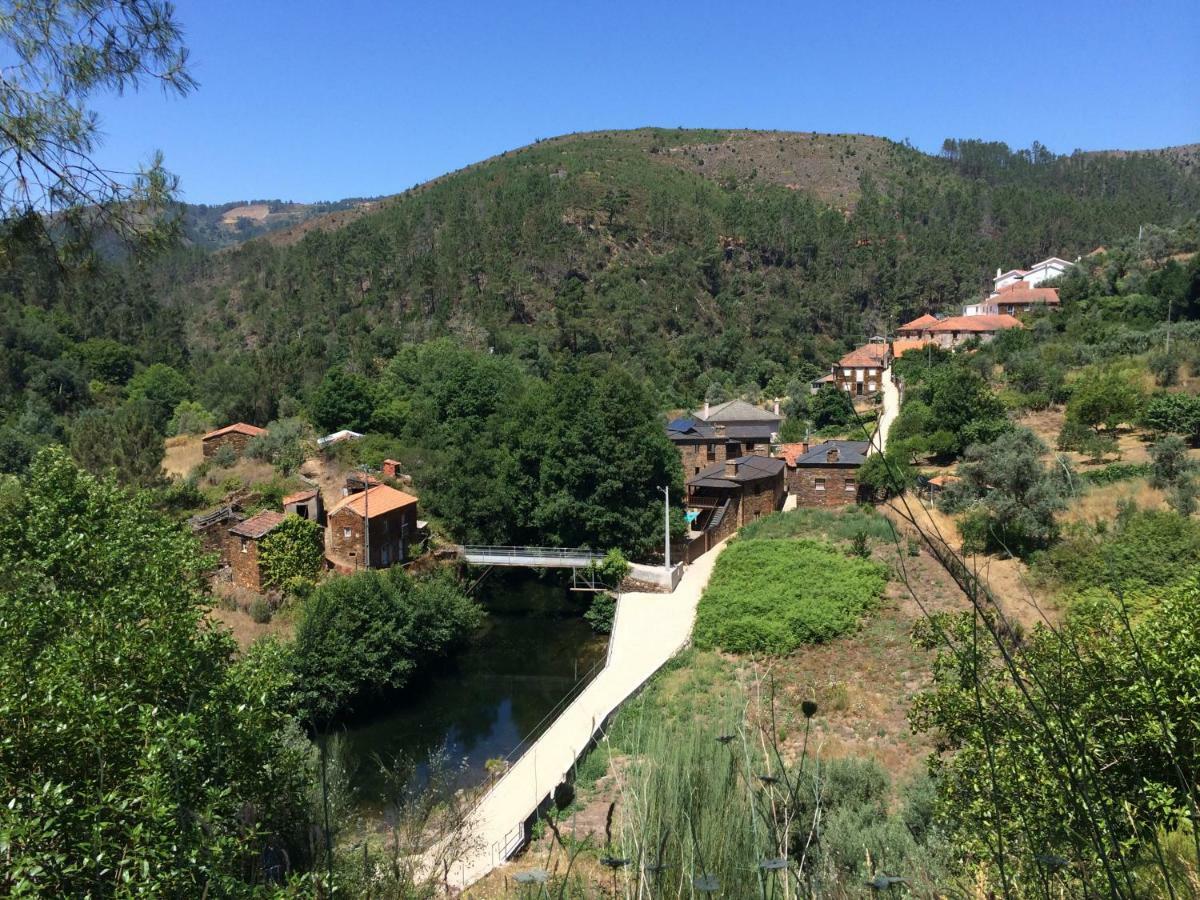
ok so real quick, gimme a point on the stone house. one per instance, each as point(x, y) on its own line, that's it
point(372, 528)
point(860, 372)
point(244, 539)
point(236, 436)
point(306, 504)
point(727, 495)
point(918, 327)
point(951, 332)
point(726, 431)
point(825, 474)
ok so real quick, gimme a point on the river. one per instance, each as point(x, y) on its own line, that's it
point(532, 649)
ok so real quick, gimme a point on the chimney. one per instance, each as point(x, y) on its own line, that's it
point(832, 455)
point(776, 406)
point(706, 409)
point(998, 272)
point(803, 447)
point(731, 468)
point(391, 468)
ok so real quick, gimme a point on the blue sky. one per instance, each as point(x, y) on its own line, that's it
point(307, 101)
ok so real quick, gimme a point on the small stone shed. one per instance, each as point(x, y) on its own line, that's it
point(236, 436)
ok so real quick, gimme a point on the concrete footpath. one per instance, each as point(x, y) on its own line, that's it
point(647, 631)
point(891, 409)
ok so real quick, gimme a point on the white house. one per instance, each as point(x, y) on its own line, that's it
point(1031, 277)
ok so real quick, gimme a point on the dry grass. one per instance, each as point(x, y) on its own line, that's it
point(1100, 503)
point(1133, 445)
point(183, 453)
point(1007, 579)
point(246, 631)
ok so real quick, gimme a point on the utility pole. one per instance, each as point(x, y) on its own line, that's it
point(366, 473)
point(667, 529)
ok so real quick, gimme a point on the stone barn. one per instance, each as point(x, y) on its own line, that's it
point(244, 539)
point(236, 436)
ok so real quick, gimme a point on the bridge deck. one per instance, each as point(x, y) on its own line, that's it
point(647, 631)
point(539, 557)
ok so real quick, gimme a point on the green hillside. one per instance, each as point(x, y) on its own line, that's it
point(691, 255)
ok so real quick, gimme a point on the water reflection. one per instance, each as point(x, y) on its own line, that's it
point(531, 650)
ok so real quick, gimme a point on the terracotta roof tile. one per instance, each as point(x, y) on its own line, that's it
point(921, 322)
point(976, 323)
point(377, 501)
point(299, 496)
point(901, 346)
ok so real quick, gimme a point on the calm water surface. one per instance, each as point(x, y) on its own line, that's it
point(531, 650)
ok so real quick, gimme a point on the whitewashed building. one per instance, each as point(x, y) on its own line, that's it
point(1031, 277)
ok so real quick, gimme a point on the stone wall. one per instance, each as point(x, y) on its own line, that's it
point(803, 483)
point(391, 536)
point(760, 498)
point(234, 439)
point(243, 559)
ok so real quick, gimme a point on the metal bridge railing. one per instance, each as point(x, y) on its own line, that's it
point(531, 552)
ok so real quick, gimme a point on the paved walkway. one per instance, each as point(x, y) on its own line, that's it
point(647, 631)
point(891, 409)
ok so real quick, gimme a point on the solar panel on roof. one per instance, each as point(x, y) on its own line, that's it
point(680, 425)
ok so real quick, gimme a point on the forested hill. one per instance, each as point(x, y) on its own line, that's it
point(690, 255)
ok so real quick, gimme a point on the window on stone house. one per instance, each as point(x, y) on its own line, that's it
point(848, 487)
point(712, 453)
point(818, 484)
point(697, 472)
point(346, 532)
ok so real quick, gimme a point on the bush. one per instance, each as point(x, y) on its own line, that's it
point(365, 634)
point(601, 612)
point(225, 457)
point(190, 417)
point(294, 550)
point(260, 610)
point(287, 443)
point(772, 596)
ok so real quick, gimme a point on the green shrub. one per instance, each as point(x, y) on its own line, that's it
point(364, 634)
point(260, 610)
point(601, 612)
point(225, 457)
point(1115, 472)
point(771, 596)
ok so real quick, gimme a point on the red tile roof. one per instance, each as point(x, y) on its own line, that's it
point(866, 356)
point(920, 323)
point(238, 427)
point(377, 501)
point(1020, 293)
point(299, 496)
point(258, 525)
point(979, 324)
point(789, 452)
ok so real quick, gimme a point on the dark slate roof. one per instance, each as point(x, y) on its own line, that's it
point(850, 453)
point(689, 429)
point(750, 432)
point(750, 468)
point(259, 525)
point(736, 411)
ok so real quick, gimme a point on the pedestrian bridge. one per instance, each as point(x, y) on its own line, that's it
point(538, 557)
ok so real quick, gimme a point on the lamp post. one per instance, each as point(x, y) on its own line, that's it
point(666, 491)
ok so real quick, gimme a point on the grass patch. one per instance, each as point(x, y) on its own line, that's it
point(832, 524)
point(772, 596)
